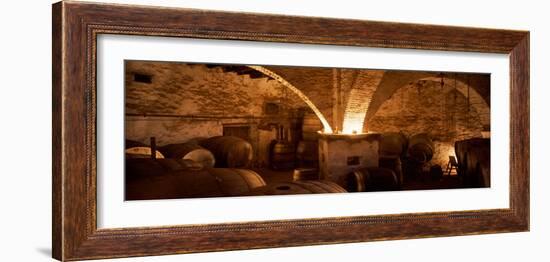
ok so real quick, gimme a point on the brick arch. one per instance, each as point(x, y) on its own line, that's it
point(358, 99)
point(300, 94)
point(394, 81)
point(391, 82)
point(476, 100)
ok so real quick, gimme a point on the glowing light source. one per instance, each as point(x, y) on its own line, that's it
point(353, 123)
point(359, 99)
point(354, 117)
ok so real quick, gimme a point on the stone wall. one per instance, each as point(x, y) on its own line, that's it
point(184, 102)
point(340, 155)
point(197, 90)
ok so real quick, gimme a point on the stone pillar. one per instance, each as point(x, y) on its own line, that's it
point(341, 154)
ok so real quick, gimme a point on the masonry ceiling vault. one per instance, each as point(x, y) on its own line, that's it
point(361, 92)
point(345, 100)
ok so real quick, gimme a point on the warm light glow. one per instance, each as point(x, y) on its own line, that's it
point(326, 125)
point(451, 151)
point(359, 99)
point(353, 123)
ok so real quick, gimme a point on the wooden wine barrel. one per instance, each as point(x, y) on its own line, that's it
point(132, 143)
point(236, 182)
point(311, 126)
point(393, 163)
point(174, 184)
point(307, 153)
point(282, 155)
point(299, 187)
point(229, 151)
point(135, 149)
point(483, 171)
point(143, 167)
point(392, 144)
point(175, 164)
point(191, 151)
point(196, 140)
point(189, 164)
point(304, 174)
point(421, 148)
point(355, 182)
point(170, 164)
point(478, 166)
point(461, 149)
point(436, 172)
point(207, 182)
point(146, 167)
point(375, 179)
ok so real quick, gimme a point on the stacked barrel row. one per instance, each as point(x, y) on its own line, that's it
point(218, 151)
point(303, 158)
point(299, 155)
point(170, 178)
point(392, 149)
point(398, 155)
point(211, 167)
point(307, 150)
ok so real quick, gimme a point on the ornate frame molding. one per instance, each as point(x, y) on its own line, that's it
point(76, 26)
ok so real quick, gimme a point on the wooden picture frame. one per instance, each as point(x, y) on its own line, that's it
point(76, 26)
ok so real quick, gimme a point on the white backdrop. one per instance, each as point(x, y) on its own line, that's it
point(25, 106)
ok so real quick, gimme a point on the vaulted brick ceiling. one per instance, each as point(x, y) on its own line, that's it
point(360, 92)
point(371, 88)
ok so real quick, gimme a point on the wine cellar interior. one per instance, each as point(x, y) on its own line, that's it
point(211, 130)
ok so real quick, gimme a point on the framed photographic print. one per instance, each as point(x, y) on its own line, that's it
point(182, 130)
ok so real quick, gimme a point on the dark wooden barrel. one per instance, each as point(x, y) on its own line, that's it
point(392, 144)
point(171, 164)
point(307, 153)
point(143, 167)
point(196, 140)
point(483, 172)
point(135, 149)
point(311, 126)
point(229, 151)
point(355, 182)
point(207, 182)
point(174, 184)
point(299, 187)
point(478, 166)
point(304, 174)
point(189, 164)
point(282, 155)
point(436, 172)
point(146, 167)
point(190, 151)
point(421, 148)
point(236, 182)
point(374, 179)
point(393, 163)
point(132, 143)
point(461, 150)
